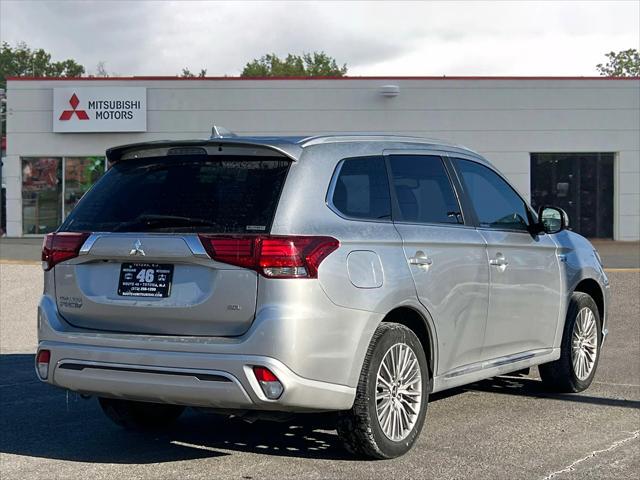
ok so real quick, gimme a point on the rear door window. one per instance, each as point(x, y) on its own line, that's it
point(423, 190)
point(362, 189)
point(183, 194)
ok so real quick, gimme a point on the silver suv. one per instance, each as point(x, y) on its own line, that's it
point(353, 274)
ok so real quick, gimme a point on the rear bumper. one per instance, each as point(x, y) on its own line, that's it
point(318, 367)
point(203, 380)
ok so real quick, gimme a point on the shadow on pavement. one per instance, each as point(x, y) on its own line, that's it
point(42, 421)
point(533, 388)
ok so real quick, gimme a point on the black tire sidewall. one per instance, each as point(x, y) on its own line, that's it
point(577, 303)
point(400, 334)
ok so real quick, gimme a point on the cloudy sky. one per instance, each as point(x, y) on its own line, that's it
point(373, 38)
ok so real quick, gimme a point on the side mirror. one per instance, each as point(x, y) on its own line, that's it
point(552, 219)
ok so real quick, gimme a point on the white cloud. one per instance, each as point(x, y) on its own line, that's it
point(373, 38)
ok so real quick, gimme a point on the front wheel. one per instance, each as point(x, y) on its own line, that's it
point(391, 399)
point(580, 349)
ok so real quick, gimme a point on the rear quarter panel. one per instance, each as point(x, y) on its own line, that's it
point(303, 210)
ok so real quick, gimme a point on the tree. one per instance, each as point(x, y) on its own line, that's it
point(625, 63)
point(101, 70)
point(186, 73)
point(316, 64)
point(21, 61)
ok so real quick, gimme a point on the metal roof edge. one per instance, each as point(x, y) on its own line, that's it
point(351, 78)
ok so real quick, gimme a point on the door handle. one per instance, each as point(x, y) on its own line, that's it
point(420, 259)
point(499, 261)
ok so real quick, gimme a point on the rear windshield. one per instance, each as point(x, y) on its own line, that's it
point(183, 194)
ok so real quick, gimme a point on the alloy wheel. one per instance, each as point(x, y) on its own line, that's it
point(398, 392)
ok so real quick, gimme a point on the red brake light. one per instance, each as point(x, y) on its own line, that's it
point(276, 257)
point(263, 374)
point(44, 356)
point(58, 247)
point(269, 383)
point(42, 363)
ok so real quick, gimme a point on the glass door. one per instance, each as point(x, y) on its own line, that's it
point(579, 183)
point(41, 194)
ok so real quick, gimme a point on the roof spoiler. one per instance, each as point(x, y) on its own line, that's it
point(212, 146)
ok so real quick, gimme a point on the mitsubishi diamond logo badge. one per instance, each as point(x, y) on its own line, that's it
point(137, 249)
point(68, 114)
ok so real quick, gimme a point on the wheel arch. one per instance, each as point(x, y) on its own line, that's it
point(592, 288)
point(417, 322)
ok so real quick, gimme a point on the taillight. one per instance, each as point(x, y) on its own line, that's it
point(272, 256)
point(269, 383)
point(42, 363)
point(58, 247)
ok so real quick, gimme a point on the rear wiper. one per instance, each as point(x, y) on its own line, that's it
point(163, 221)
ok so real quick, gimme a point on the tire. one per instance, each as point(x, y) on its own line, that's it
point(562, 375)
point(361, 428)
point(140, 415)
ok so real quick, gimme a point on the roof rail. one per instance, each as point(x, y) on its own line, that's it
point(221, 132)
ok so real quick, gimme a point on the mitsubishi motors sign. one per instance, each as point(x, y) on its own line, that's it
point(100, 109)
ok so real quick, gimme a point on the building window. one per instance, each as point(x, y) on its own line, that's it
point(579, 183)
point(80, 173)
point(41, 194)
point(51, 187)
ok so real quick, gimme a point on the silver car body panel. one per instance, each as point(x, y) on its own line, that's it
point(313, 333)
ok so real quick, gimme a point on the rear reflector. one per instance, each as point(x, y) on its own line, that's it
point(269, 383)
point(272, 256)
point(58, 247)
point(42, 363)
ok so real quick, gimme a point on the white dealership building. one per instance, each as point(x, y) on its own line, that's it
point(573, 142)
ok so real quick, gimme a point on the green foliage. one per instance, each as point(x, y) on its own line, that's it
point(316, 64)
point(186, 73)
point(93, 169)
point(625, 63)
point(21, 61)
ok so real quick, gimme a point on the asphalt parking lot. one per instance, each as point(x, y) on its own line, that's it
point(505, 427)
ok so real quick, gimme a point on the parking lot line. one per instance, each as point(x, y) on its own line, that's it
point(8, 261)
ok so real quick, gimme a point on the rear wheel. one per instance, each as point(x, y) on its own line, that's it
point(140, 415)
point(580, 349)
point(391, 399)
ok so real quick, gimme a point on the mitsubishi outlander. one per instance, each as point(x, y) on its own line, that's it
point(354, 274)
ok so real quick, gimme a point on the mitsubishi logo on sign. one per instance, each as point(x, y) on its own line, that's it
point(100, 109)
point(67, 114)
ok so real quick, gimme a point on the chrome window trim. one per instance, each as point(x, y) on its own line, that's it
point(193, 241)
point(89, 242)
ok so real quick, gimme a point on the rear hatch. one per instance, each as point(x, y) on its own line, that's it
point(141, 266)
